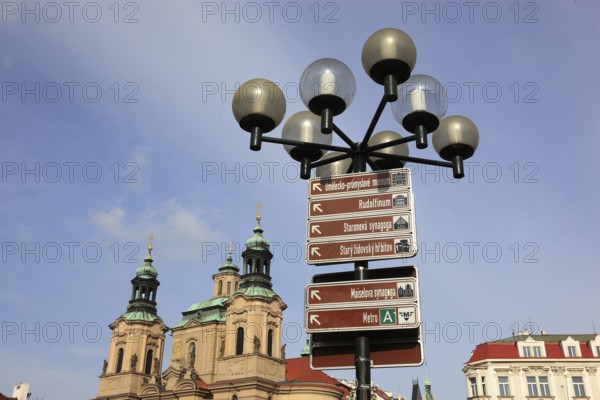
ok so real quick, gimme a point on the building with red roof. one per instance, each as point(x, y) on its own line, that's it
point(544, 366)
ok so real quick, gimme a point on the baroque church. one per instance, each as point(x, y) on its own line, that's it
point(228, 347)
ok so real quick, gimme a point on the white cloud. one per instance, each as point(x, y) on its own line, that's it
point(110, 222)
point(176, 227)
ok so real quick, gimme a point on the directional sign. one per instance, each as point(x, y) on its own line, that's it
point(402, 348)
point(362, 292)
point(384, 308)
point(381, 203)
point(365, 216)
point(361, 249)
point(375, 182)
point(362, 318)
point(378, 225)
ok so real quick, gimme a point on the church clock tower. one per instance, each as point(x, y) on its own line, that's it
point(137, 341)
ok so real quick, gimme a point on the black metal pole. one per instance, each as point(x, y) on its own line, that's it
point(362, 348)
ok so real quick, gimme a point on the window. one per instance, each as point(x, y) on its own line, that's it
point(544, 387)
point(119, 361)
point(578, 386)
point(503, 386)
point(148, 364)
point(270, 343)
point(220, 291)
point(473, 383)
point(483, 386)
point(533, 389)
point(537, 352)
point(572, 351)
point(239, 342)
point(598, 351)
point(527, 351)
point(228, 287)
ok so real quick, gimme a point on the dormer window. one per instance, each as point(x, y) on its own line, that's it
point(570, 347)
point(594, 345)
point(531, 348)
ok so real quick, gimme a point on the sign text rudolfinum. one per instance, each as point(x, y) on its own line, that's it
point(365, 216)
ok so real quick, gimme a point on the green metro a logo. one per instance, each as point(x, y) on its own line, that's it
point(387, 316)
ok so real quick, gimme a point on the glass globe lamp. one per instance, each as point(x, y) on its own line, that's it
point(327, 88)
point(258, 106)
point(397, 150)
point(421, 104)
point(305, 127)
point(456, 139)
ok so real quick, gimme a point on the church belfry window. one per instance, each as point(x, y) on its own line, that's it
point(148, 363)
point(239, 341)
point(270, 343)
point(119, 361)
point(220, 291)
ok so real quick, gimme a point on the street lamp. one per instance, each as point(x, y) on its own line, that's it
point(327, 88)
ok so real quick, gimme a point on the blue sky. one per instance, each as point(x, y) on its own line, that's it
point(115, 119)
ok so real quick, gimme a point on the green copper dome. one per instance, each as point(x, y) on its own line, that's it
point(146, 270)
point(228, 265)
point(257, 241)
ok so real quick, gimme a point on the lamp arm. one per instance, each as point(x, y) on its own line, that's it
point(391, 143)
point(436, 163)
point(344, 137)
point(330, 160)
point(374, 121)
point(269, 139)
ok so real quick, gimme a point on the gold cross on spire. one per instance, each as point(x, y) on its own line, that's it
point(258, 207)
point(150, 239)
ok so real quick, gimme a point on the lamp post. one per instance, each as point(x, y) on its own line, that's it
point(327, 88)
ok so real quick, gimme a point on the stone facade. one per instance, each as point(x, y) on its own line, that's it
point(228, 347)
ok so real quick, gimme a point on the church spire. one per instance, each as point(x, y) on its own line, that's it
point(143, 291)
point(257, 258)
point(428, 393)
point(228, 265)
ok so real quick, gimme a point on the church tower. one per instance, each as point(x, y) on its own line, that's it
point(231, 343)
point(254, 313)
point(137, 340)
